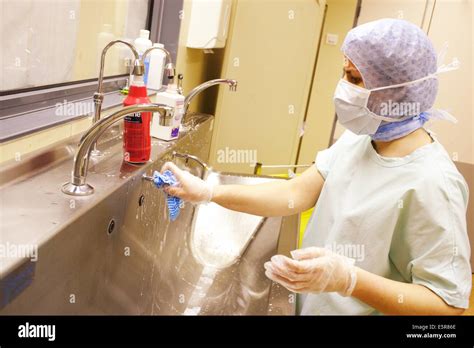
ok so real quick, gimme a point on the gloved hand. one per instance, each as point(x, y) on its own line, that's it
point(190, 187)
point(313, 270)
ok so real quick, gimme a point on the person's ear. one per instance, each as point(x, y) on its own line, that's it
point(352, 74)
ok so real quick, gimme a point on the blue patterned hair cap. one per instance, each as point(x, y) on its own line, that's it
point(392, 51)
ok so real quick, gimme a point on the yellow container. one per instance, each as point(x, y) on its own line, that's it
point(304, 217)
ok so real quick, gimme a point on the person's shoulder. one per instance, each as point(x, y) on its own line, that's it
point(349, 139)
point(348, 144)
point(439, 159)
point(440, 173)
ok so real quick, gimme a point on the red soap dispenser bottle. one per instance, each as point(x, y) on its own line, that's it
point(136, 134)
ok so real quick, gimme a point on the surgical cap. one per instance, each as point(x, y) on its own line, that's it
point(392, 51)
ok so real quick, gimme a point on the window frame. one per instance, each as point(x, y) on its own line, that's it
point(28, 110)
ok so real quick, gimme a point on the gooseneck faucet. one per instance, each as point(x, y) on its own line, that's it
point(205, 167)
point(169, 67)
point(196, 90)
point(138, 69)
point(78, 185)
point(188, 157)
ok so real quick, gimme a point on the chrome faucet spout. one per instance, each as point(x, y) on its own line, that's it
point(78, 186)
point(99, 95)
point(169, 67)
point(187, 157)
point(232, 87)
point(137, 68)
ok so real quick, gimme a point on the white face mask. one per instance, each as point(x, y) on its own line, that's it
point(351, 101)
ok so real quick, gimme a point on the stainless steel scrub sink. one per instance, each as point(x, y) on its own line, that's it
point(116, 251)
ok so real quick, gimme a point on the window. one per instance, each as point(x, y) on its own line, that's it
point(51, 53)
point(47, 42)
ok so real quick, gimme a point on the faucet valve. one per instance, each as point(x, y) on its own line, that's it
point(169, 67)
point(170, 71)
point(138, 68)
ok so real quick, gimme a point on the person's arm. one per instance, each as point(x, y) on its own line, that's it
point(277, 198)
point(316, 270)
point(392, 297)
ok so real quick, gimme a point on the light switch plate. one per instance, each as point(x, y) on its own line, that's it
point(332, 39)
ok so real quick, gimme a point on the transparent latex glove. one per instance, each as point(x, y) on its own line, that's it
point(190, 188)
point(313, 270)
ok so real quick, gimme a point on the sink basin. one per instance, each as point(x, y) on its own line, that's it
point(219, 235)
point(116, 252)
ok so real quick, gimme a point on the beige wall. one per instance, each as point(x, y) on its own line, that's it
point(455, 88)
point(411, 10)
point(197, 66)
point(320, 116)
point(20, 147)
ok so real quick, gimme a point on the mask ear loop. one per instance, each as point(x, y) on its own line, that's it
point(442, 53)
point(449, 67)
point(392, 119)
point(454, 65)
point(440, 114)
point(435, 114)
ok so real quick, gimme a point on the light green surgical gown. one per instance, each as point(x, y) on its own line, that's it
point(401, 218)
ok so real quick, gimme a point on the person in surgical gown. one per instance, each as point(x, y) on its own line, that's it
point(388, 232)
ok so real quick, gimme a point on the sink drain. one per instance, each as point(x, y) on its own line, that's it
point(111, 226)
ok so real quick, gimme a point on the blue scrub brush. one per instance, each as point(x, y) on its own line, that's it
point(168, 179)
